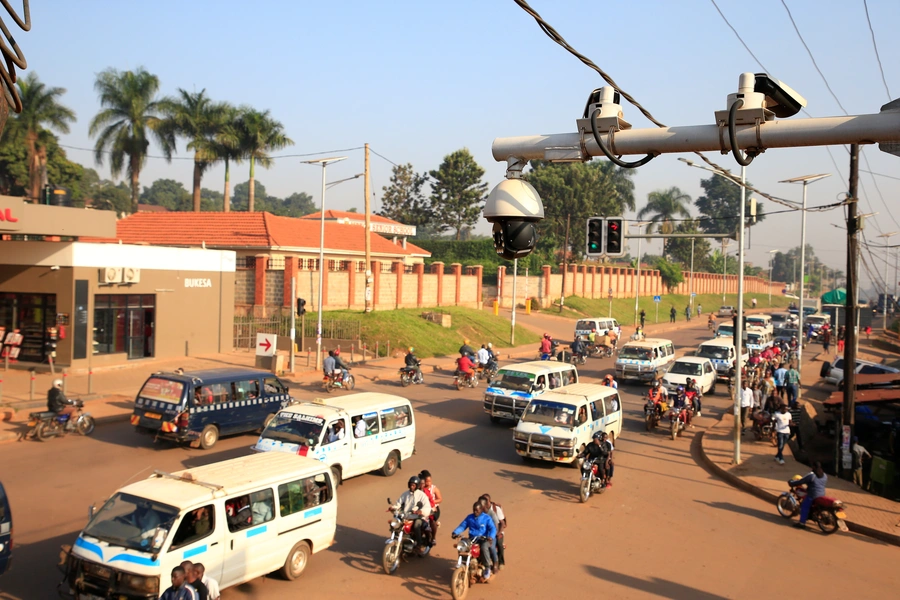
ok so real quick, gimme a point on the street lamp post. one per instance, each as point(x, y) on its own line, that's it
point(887, 262)
point(637, 278)
point(805, 180)
point(771, 258)
point(691, 297)
point(324, 162)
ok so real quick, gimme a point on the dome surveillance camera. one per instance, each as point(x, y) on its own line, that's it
point(514, 206)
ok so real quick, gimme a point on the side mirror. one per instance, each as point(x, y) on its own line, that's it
point(91, 510)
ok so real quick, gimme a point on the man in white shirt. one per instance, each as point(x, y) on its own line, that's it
point(335, 432)
point(359, 430)
point(414, 500)
point(783, 422)
point(746, 402)
point(211, 584)
point(483, 356)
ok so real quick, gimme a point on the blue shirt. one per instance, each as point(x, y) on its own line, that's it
point(815, 486)
point(482, 525)
point(779, 376)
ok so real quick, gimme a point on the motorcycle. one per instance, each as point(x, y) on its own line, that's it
point(468, 566)
point(486, 372)
point(764, 427)
point(591, 482)
point(828, 513)
point(337, 380)
point(678, 420)
point(578, 359)
point(462, 380)
point(652, 412)
point(408, 376)
point(401, 544)
point(47, 424)
point(710, 325)
point(601, 351)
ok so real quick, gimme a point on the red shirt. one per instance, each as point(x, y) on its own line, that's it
point(464, 364)
point(546, 346)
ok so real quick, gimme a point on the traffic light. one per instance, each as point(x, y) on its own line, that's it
point(615, 237)
point(301, 306)
point(594, 236)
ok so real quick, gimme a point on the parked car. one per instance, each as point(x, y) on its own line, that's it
point(833, 372)
point(725, 311)
point(698, 368)
point(6, 541)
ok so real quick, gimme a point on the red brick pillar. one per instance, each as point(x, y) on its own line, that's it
point(593, 281)
point(420, 277)
point(438, 269)
point(584, 281)
point(457, 273)
point(479, 276)
point(376, 282)
point(547, 274)
point(259, 292)
point(397, 268)
point(290, 271)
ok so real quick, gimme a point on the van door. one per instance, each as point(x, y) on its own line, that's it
point(198, 537)
point(339, 451)
point(246, 415)
point(250, 538)
point(613, 421)
point(366, 442)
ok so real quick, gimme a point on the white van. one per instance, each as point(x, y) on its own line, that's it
point(602, 324)
point(242, 518)
point(559, 424)
point(761, 321)
point(513, 387)
point(720, 352)
point(759, 339)
point(645, 360)
point(379, 432)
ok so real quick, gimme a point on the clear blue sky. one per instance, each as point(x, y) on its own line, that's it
point(418, 80)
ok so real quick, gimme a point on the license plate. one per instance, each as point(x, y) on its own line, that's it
point(840, 515)
point(150, 415)
point(540, 453)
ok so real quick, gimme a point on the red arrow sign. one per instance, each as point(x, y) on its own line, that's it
point(266, 344)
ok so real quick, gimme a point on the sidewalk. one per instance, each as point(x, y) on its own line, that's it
point(760, 475)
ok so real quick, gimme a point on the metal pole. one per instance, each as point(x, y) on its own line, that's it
point(739, 326)
point(802, 279)
point(368, 209)
point(512, 321)
point(637, 279)
point(884, 315)
point(319, 306)
point(527, 301)
point(770, 280)
point(724, 269)
point(294, 316)
point(692, 277)
point(562, 296)
point(844, 436)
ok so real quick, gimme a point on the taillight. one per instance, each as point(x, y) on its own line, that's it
point(182, 420)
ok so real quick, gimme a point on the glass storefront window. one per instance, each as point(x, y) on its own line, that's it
point(124, 323)
point(33, 315)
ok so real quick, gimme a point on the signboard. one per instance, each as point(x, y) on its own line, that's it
point(11, 210)
point(845, 437)
point(693, 294)
point(265, 344)
point(657, 299)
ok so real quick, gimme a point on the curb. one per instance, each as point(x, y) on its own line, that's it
point(739, 483)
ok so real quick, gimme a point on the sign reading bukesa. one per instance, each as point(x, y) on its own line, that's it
point(197, 283)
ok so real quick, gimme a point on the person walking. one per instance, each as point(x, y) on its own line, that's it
point(859, 453)
point(180, 589)
point(826, 340)
point(643, 317)
point(672, 314)
point(699, 310)
point(796, 414)
point(792, 383)
point(840, 339)
point(782, 431)
point(687, 312)
point(746, 403)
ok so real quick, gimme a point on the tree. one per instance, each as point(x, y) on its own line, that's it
point(670, 273)
point(109, 196)
point(403, 200)
point(679, 249)
point(720, 204)
point(663, 207)
point(582, 190)
point(258, 135)
point(130, 113)
point(167, 193)
point(14, 167)
point(195, 117)
point(228, 146)
point(457, 192)
point(298, 204)
point(41, 111)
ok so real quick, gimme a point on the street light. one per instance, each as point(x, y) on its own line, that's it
point(324, 162)
point(887, 260)
point(805, 180)
point(771, 258)
point(637, 278)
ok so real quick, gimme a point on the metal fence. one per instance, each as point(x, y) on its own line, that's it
point(246, 328)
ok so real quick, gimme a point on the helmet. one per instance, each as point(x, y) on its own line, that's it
point(597, 435)
point(680, 389)
point(546, 335)
point(337, 351)
point(609, 377)
point(414, 480)
point(490, 345)
point(656, 383)
point(466, 341)
point(410, 349)
point(796, 478)
point(57, 383)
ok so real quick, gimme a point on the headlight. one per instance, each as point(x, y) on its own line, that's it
point(96, 570)
point(139, 583)
point(395, 523)
point(522, 437)
point(566, 443)
point(665, 382)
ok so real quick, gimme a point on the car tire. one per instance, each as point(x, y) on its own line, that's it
point(209, 436)
point(712, 388)
point(296, 561)
point(826, 368)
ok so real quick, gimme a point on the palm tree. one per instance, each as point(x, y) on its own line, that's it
point(130, 112)
point(663, 206)
point(228, 145)
point(40, 110)
point(259, 134)
point(195, 117)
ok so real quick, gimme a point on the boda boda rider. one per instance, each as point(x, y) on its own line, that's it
point(604, 440)
point(328, 364)
point(414, 502)
point(479, 525)
point(57, 401)
point(692, 391)
point(609, 381)
point(657, 394)
point(434, 494)
point(597, 452)
point(340, 364)
point(681, 403)
point(578, 346)
point(466, 348)
point(412, 362)
point(815, 482)
point(464, 364)
point(546, 347)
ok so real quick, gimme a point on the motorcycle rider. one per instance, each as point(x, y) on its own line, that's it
point(681, 404)
point(815, 482)
point(414, 502)
point(692, 390)
point(609, 381)
point(434, 494)
point(711, 322)
point(546, 347)
point(328, 364)
point(340, 364)
point(612, 464)
point(490, 350)
point(578, 347)
point(467, 349)
point(464, 366)
point(411, 362)
point(483, 358)
point(657, 395)
point(479, 525)
point(597, 452)
point(57, 401)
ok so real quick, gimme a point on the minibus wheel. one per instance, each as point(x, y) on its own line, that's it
point(209, 436)
point(296, 561)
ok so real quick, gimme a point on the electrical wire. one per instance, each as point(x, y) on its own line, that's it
point(382, 156)
point(875, 47)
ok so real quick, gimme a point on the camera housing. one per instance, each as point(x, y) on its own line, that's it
point(514, 206)
point(781, 99)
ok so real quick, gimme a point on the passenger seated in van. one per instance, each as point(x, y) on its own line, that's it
point(238, 513)
point(554, 381)
point(262, 511)
point(145, 519)
point(203, 395)
point(565, 378)
point(540, 385)
point(359, 427)
point(312, 493)
point(200, 521)
point(335, 432)
point(582, 415)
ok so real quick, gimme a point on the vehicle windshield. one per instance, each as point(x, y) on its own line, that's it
point(815, 320)
point(754, 338)
point(130, 521)
point(634, 353)
point(164, 390)
point(757, 322)
point(295, 428)
point(729, 329)
point(585, 325)
point(545, 412)
point(686, 368)
point(716, 352)
point(515, 381)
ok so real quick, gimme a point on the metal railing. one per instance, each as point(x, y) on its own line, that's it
point(246, 328)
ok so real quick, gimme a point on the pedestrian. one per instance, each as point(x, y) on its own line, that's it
point(796, 417)
point(782, 431)
point(826, 340)
point(643, 316)
point(840, 339)
point(859, 453)
point(758, 399)
point(699, 310)
point(687, 312)
point(211, 584)
point(746, 403)
point(672, 314)
point(190, 574)
point(753, 302)
point(180, 589)
point(779, 375)
point(792, 384)
point(809, 331)
point(868, 331)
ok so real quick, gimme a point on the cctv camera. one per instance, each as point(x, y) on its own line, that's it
point(54, 268)
point(513, 207)
point(780, 98)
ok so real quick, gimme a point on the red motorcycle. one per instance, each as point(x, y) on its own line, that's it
point(764, 427)
point(337, 380)
point(679, 419)
point(828, 513)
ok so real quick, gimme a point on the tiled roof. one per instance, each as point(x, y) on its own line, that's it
point(241, 230)
point(343, 214)
point(152, 208)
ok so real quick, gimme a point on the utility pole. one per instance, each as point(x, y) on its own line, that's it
point(739, 324)
point(692, 278)
point(294, 317)
point(637, 280)
point(562, 296)
point(842, 455)
point(368, 210)
point(724, 268)
point(512, 321)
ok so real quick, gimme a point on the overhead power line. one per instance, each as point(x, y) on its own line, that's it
point(877, 56)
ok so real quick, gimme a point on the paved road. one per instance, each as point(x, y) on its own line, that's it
point(666, 529)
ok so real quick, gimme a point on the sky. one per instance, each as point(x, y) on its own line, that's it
point(419, 80)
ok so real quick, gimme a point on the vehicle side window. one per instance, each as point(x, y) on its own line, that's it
point(581, 417)
point(304, 493)
point(194, 526)
point(250, 509)
point(246, 390)
point(210, 394)
point(334, 432)
point(670, 349)
point(540, 384)
point(554, 380)
point(612, 404)
point(364, 425)
point(707, 369)
point(871, 370)
point(273, 385)
point(395, 418)
point(596, 410)
point(567, 376)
